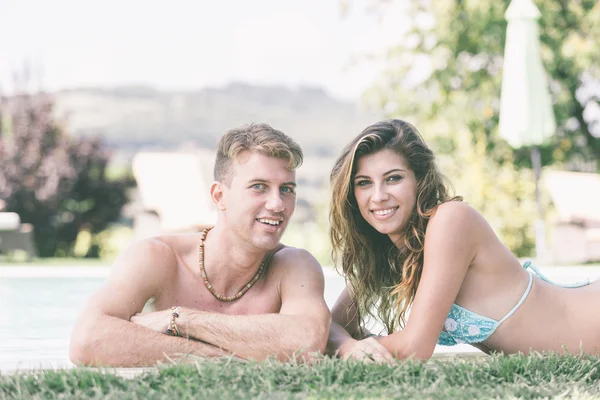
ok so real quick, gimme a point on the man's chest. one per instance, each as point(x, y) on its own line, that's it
point(259, 299)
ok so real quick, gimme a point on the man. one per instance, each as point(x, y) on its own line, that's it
point(230, 290)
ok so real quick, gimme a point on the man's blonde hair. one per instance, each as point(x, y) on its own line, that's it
point(256, 138)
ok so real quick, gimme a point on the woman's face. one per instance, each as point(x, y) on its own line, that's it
point(386, 192)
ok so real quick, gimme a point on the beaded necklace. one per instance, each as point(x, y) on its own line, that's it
point(210, 287)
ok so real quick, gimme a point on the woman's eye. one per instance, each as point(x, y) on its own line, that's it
point(362, 182)
point(394, 178)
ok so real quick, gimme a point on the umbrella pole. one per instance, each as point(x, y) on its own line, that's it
point(540, 226)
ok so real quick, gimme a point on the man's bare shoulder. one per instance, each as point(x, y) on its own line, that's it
point(300, 277)
point(293, 258)
point(153, 249)
point(137, 275)
point(164, 247)
point(147, 255)
point(179, 242)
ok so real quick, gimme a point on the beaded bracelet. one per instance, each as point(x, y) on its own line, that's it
point(173, 330)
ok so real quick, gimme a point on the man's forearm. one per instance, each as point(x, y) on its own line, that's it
point(110, 341)
point(256, 336)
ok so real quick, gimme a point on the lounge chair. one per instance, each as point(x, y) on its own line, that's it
point(576, 228)
point(16, 236)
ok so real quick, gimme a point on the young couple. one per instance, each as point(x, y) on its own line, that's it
point(403, 243)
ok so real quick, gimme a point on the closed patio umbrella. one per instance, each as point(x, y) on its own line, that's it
point(526, 115)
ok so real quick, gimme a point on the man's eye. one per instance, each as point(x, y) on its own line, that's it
point(258, 186)
point(287, 190)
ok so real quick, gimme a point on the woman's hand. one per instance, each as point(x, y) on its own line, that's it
point(368, 350)
point(345, 327)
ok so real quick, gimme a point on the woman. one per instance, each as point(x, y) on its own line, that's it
point(404, 242)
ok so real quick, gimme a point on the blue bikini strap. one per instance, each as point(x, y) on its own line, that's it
point(545, 279)
point(511, 312)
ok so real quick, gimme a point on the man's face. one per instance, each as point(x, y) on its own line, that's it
point(260, 200)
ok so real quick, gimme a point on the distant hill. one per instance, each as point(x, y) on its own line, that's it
point(132, 118)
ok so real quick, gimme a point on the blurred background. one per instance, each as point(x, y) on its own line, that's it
point(109, 110)
point(110, 113)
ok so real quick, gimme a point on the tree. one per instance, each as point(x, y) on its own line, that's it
point(53, 181)
point(461, 45)
point(446, 77)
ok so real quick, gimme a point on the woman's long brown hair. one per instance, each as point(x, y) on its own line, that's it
point(383, 278)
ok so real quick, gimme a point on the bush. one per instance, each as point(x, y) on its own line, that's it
point(55, 182)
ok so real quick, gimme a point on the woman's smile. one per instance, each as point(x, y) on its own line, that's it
point(384, 213)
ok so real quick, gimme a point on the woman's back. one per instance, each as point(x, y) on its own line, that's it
point(549, 316)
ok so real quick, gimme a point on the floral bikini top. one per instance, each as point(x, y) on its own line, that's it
point(464, 326)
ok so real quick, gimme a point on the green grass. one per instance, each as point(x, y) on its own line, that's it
point(525, 377)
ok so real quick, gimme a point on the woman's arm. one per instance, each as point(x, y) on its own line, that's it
point(345, 334)
point(344, 323)
point(452, 240)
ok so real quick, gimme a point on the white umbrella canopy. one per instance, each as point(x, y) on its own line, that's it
point(526, 116)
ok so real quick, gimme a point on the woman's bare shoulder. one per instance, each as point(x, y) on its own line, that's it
point(457, 216)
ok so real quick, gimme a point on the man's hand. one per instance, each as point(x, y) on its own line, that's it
point(368, 350)
point(158, 321)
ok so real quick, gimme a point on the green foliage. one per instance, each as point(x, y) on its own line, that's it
point(111, 242)
point(55, 182)
point(312, 235)
point(517, 376)
point(446, 77)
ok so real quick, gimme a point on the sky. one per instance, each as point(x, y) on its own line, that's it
point(192, 44)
